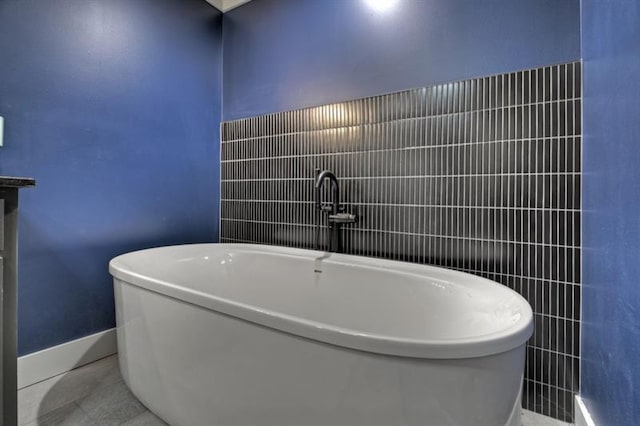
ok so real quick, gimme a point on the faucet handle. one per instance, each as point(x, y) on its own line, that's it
point(342, 208)
point(343, 218)
point(326, 207)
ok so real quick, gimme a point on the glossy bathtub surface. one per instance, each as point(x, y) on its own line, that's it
point(374, 305)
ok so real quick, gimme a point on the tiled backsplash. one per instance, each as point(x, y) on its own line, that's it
point(482, 176)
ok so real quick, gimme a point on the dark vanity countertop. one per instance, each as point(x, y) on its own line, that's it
point(16, 182)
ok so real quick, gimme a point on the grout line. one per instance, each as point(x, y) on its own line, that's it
point(395, 177)
point(388, 121)
point(386, 231)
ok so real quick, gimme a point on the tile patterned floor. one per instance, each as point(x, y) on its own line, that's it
point(95, 395)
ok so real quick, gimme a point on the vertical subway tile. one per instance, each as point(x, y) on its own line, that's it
point(481, 175)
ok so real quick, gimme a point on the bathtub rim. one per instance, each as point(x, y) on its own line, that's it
point(470, 347)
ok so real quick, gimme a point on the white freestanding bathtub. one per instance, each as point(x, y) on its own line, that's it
point(250, 335)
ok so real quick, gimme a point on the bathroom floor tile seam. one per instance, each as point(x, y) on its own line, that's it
point(92, 395)
point(96, 395)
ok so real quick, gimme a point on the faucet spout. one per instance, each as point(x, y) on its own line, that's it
point(335, 190)
point(337, 215)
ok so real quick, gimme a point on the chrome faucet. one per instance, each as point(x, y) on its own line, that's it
point(337, 215)
point(335, 190)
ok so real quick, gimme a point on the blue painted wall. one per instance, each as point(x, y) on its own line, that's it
point(114, 107)
point(288, 54)
point(611, 196)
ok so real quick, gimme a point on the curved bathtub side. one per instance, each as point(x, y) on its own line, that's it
point(194, 366)
point(341, 305)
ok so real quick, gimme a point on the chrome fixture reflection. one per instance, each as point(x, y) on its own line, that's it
point(337, 214)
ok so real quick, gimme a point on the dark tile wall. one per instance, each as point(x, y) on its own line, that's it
point(481, 176)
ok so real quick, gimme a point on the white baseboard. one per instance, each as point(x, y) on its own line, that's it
point(47, 363)
point(583, 418)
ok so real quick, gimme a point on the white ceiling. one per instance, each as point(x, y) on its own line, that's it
point(227, 5)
